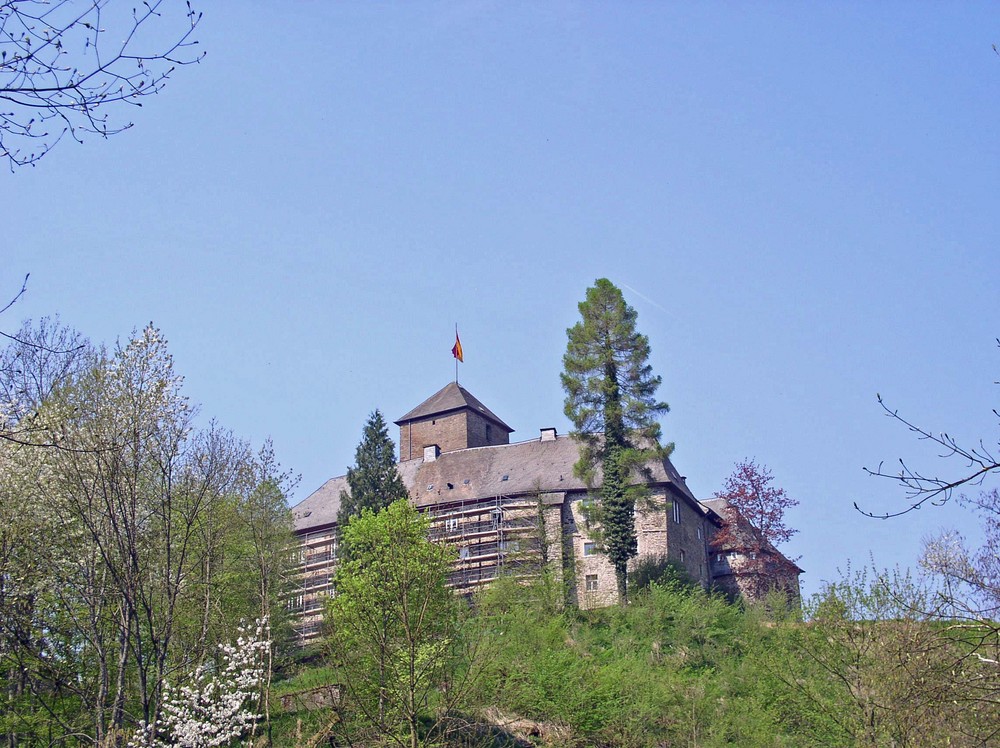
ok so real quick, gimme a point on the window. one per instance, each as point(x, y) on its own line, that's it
point(677, 512)
point(683, 556)
point(591, 583)
point(590, 549)
point(451, 524)
point(700, 533)
point(495, 517)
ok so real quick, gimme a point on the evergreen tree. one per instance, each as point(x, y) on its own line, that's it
point(610, 398)
point(374, 480)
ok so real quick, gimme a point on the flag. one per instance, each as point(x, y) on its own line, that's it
point(456, 350)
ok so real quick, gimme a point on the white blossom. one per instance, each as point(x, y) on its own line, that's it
point(946, 555)
point(217, 706)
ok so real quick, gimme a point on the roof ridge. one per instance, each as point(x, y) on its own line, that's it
point(451, 397)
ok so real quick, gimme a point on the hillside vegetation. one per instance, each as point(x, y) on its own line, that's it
point(681, 667)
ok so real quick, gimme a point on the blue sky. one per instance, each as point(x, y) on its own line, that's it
point(800, 201)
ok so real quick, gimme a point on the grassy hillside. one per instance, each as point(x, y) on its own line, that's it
point(677, 667)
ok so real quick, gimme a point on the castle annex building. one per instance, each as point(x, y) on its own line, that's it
point(516, 508)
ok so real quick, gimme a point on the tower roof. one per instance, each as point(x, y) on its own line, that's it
point(448, 399)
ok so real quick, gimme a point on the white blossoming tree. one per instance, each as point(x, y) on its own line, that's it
point(131, 541)
point(218, 705)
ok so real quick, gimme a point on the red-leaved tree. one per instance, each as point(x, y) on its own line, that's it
point(753, 513)
point(750, 491)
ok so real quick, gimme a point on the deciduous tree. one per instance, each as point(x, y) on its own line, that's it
point(968, 600)
point(64, 64)
point(217, 706)
point(37, 359)
point(393, 623)
point(750, 490)
point(124, 544)
point(611, 400)
point(967, 464)
point(888, 673)
point(754, 525)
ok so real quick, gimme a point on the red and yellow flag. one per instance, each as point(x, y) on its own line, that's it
point(456, 350)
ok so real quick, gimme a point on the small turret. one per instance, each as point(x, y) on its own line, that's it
point(452, 419)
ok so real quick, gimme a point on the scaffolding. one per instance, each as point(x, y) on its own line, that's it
point(315, 562)
point(493, 536)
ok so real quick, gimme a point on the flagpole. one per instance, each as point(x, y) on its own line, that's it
point(456, 357)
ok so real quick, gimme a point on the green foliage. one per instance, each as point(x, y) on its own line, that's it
point(393, 625)
point(663, 670)
point(375, 483)
point(679, 666)
point(131, 542)
point(609, 383)
point(661, 571)
point(610, 398)
point(873, 667)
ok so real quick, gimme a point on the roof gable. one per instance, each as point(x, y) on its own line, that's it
point(450, 398)
point(742, 534)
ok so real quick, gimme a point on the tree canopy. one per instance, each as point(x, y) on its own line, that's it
point(374, 480)
point(751, 492)
point(611, 400)
point(393, 623)
point(754, 525)
point(132, 542)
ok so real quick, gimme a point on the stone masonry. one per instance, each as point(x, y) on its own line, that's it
point(512, 508)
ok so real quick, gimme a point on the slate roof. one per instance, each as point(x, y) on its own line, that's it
point(744, 535)
point(319, 509)
point(481, 472)
point(452, 397)
point(717, 505)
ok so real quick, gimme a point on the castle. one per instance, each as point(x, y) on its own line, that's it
point(518, 507)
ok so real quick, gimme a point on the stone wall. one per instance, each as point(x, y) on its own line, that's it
point(452, 431)
point(753, 576)
point(449, 432)
point(552, 533)
point(592, 577)
point(481, 432)
point(592, 582)
point(688, 538)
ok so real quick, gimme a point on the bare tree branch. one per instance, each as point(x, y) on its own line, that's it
point(63, 61)
point(921, 488)
point(18, 295)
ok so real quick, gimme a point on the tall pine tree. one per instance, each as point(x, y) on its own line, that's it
point(610, 398)
point(375, 483)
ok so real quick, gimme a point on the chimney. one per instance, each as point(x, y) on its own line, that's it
point(548, 435)
point(431, 452)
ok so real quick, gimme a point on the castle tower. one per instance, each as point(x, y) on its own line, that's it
point(449, 420)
